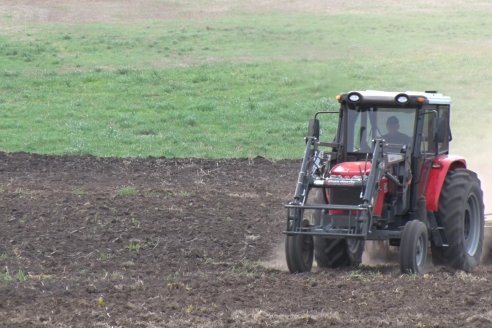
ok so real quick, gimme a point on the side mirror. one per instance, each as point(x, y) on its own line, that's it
point(443, 131)
point(313, 128)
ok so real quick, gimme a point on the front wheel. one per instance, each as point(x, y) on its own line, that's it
point(413, 247)
point(299, 252)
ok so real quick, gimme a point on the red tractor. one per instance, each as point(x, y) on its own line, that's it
point(386, 175)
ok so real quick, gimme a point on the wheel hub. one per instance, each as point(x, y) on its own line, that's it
point(472, 225)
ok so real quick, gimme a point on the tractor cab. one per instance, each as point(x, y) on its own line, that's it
point(416, 121)
point(380, 177)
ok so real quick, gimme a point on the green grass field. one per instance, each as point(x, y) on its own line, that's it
point(239, 84)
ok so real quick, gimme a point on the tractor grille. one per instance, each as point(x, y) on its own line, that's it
point(345, 196)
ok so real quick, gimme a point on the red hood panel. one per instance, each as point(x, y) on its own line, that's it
point(350, 169)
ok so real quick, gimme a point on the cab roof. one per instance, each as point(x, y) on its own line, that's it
point(433, 97)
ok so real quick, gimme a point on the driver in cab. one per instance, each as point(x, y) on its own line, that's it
point(394, 136)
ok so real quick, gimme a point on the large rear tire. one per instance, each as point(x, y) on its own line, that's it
point(335, 253)
point(413, 247)
point(355, 248)
point(461, 212)
point(299, 253)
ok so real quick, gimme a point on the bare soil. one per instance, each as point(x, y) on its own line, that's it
point(104, 242)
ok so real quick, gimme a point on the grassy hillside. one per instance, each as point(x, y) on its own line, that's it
point(236, 84)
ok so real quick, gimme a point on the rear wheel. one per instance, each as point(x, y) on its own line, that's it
point(299, 252)
point(461, 212)
point(438, 257)
point(413, 247)
point(355, 248)
point(334, 253)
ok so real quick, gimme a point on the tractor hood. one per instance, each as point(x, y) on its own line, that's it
point(351, 169)
point(348, 174)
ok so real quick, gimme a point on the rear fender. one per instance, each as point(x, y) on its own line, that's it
point(440, 168)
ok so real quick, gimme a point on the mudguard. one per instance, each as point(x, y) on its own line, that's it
point(440, 168)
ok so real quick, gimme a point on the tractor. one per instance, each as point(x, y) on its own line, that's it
point(385, 175)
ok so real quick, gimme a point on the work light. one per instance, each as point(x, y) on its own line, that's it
point(401, 98)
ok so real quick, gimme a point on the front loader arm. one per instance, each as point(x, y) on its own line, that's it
point(377, 171)
point(296, 212)
point(303, 178)
point(311, 164)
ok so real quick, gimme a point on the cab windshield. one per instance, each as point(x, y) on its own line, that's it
point(394, 125)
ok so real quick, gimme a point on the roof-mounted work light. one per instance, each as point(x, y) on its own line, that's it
point(354, 97)
point(402, 98)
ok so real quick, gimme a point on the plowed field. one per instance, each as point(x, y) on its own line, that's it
point(103, 242)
